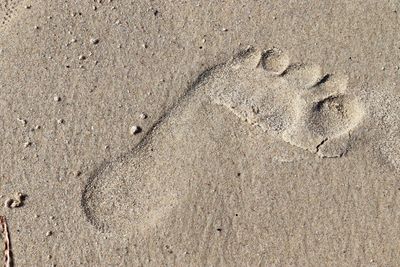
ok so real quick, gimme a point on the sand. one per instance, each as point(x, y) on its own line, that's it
point(194, 133)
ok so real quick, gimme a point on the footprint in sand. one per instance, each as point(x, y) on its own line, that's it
point(293, 102)
point(7, 10)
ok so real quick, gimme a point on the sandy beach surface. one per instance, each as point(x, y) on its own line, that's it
point(199, 133)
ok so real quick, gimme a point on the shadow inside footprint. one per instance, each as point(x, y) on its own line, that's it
point(292, 102)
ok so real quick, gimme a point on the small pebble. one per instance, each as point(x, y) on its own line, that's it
point(94, 41)
point(60, 121)
point(49, 233)
point(135, 130)
point(82, 57)
point(143, 116)
point(22, 121)
point(18, 202)
point(224, 29)
point(26, 144)
point(57, 99)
